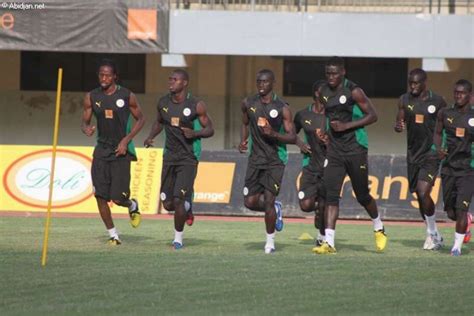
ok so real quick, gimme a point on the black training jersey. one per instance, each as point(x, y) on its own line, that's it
point(114, 122)
point(420, 120)
point(458, 140)
point(178, 149)
point(311, 123)
point(264, 151)
point(340, 106)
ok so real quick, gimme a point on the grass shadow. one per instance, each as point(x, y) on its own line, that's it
point(128, 238)
point(412, 243)
point(259, 245)
point(353, 247)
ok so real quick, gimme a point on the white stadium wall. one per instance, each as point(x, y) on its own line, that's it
point(321, 34)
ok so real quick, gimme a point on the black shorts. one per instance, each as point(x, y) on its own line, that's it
point(457, 191)
point(111, 179)
point(427, 171)
point(257, 180)
point(177, 181)
point(357, 167)
point(311, 184)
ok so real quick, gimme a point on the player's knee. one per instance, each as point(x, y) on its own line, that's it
point(422, 194)
point(168, 205)
point(364, 200)
point(251, 203)
point(178, 202)
point(451, 213)
point(306, 205)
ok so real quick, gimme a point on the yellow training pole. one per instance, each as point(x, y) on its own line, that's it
point(53, 163)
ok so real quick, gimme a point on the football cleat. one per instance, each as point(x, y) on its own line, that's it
point(467, 236)
point(380, 240)
point(325, 248)
point(455, 252)
point(177, 245)
point(269, 250)
point(189, 218)
point(114, 241)
point(135, 216)
point(318, 242)
point(279, 214)
point(433, 242)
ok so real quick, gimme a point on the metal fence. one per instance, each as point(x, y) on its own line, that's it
point(365, 6)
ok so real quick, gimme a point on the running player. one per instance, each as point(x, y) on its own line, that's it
point(186, 121)
point(348, 110)
point(268, 120)
point(311, 193)
point(417, 111)
point(454, 142)
point(113, 107)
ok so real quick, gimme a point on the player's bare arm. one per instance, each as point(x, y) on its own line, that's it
point(322, 134)
point(155, 130)
point(400, 120)
point(137, 114)
point(289, 137)
point(205, 121)
point(366, 107)
point(244, 130)
point(86, 126)
point(437, 136)
point(304, 148)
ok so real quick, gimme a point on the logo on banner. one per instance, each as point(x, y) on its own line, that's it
point(7, 21)
point(27, 179)
point(214, 182)
point(142, 24)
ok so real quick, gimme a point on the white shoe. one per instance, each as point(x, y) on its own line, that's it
point(433, 242)
point(269, 249)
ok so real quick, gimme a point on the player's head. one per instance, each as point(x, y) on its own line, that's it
point(107, 73)
point(462, 92)
point(335, 71)
point(178, 81)
point(265, 80)
point(316, 89)
point(417, 81)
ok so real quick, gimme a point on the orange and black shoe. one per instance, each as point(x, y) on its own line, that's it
point(468, 235)
point(189, 218)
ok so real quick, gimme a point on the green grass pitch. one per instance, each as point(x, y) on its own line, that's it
point(223, 270)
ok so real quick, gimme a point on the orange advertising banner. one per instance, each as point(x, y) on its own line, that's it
point(214, 182)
